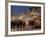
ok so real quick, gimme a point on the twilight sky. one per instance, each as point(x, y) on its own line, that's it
point(17, 10)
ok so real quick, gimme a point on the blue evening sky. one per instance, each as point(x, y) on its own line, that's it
point(17, 10)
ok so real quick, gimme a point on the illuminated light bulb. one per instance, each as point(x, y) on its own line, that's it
point(13, 17)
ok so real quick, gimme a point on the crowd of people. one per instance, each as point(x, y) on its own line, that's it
point(19, 24)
